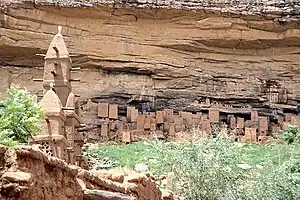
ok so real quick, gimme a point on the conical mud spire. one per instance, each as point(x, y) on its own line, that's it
point(51, 102)
point(57, 48)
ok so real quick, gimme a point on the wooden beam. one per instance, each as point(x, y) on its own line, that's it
point(74, 55)
point(38, 79)
point(75, 80)
point(76, 69)
point(38, 54)
point(68, 108)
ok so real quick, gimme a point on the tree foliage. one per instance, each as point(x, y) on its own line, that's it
point(20, 116)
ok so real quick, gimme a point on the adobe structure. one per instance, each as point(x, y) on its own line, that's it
point(60, 137)
point(243, 124)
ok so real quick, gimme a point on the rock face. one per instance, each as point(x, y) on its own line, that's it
point(105, 195)
point(163, 53)
point(27, 173)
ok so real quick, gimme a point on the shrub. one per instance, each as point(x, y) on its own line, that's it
point(274, 181)
point(292, 134)
point(206, 169)
point(5, 140)
point(20, 115)
point(216, 169)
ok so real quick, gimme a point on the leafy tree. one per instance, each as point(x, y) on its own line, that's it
point(20, 116)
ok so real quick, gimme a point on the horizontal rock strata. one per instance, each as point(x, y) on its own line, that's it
point(165, 54)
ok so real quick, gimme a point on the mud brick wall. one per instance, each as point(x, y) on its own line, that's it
point(245, 124)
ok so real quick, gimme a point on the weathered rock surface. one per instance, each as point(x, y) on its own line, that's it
point(28, 173)
point(105, 195)
point(165, 53)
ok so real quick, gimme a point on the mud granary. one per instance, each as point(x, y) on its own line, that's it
point(242, 124)
point(198, 57)
point(60, 136)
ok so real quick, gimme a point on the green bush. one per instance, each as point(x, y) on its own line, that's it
point(274, 182)
point(5, 140)
point(205, 169)
point(20, 116)
point(216, 169)
point(292, 134)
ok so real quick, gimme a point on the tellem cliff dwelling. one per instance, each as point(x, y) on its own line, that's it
point(144, 69)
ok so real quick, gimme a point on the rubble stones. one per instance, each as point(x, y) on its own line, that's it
point(17, 177)
point(141, 168)
point(105, 195)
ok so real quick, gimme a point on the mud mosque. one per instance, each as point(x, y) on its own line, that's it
point(60, 137)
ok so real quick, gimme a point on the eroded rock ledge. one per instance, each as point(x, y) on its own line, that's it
point(27, 173)
point(240, 7)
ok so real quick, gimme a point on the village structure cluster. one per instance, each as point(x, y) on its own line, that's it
point(62, 133)
point(245, 124)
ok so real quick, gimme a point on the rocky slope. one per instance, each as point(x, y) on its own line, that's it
point(166, 53)
point(27, 173)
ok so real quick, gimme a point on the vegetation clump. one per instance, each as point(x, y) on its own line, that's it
point(292, 134)
point(222, 169)
point(20, 117)
point(214, 168)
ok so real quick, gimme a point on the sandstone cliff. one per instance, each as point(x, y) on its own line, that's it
point(162, 53)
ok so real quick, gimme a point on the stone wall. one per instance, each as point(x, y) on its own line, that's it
point(238, 53)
